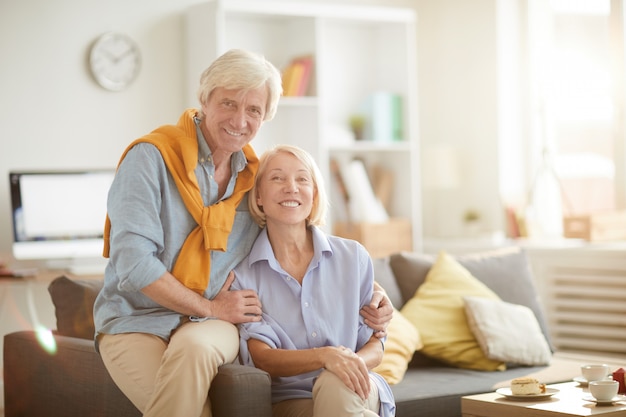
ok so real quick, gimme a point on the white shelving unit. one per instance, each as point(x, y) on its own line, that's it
point(357, 50)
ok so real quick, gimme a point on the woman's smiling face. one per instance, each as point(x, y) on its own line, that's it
point(286, 190)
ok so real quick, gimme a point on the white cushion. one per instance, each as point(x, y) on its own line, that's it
point(507, 332)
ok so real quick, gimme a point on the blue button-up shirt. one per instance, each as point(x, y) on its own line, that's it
point(323, 311)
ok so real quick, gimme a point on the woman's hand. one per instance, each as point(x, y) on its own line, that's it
point(349, 367)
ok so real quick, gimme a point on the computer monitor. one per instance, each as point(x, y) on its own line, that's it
point(58, 217)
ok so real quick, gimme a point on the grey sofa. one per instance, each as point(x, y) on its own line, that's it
point(73, 381)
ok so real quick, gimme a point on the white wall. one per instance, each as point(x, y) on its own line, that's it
point(458, 80)
point(51, 112)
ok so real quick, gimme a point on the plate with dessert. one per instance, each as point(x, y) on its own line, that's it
point(527, 389)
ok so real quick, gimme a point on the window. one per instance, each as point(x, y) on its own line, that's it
point(577, 95)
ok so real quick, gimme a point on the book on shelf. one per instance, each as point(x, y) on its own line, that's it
point(382, 184)
point(383, 112)
point(357, 200)
point(297, 76)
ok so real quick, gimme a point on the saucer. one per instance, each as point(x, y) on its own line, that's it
point(614, 399)
point(583, 381)
point(545, 395)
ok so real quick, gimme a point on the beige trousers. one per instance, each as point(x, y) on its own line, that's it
point(331, 397)
point(165, 380)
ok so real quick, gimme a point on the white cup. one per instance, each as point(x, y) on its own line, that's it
point(603, 391)
point(594, 372)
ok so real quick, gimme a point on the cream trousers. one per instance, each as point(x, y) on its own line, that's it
point(165, 380)
point(331, 397)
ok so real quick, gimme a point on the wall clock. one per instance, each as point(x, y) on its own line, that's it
point(114, 61)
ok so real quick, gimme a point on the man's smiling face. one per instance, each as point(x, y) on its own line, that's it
point(233, 117)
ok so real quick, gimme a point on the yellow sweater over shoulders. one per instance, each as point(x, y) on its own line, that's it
point(178, 146)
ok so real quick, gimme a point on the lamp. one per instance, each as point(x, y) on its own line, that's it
point(544, 215)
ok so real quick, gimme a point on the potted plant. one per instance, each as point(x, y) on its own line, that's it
point(471, 218)
point(357, 125)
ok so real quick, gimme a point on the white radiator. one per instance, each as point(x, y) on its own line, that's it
point(585, 305)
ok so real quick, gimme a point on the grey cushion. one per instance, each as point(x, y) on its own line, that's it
point(505, 271)
point(384, 276)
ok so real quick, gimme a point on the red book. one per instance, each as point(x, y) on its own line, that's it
point(307, 64)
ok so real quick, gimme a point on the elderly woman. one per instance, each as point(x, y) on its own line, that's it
point(311, 338)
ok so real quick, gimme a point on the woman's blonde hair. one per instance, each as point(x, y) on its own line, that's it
point(317, 217)
point(239, 69)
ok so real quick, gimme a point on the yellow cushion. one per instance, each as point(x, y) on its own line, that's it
point(402, 341)
point(437, 311)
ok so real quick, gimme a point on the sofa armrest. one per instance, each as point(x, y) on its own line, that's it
point(239, 390)
point(69, 382)
point(74, 382)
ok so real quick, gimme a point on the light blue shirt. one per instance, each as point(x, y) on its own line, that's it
point(323, 311)
point(149, 224)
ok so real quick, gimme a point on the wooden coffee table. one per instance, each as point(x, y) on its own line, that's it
point(567, 402)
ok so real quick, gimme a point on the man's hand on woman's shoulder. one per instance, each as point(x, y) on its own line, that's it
point(379, 312)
